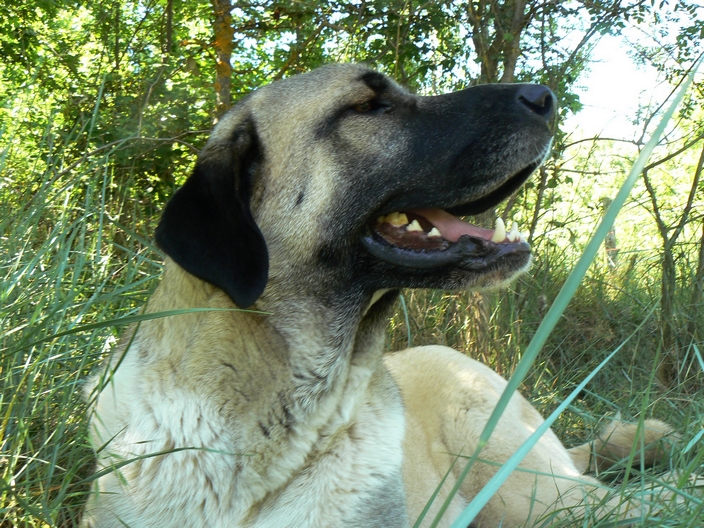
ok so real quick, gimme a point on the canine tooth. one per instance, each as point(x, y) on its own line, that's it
point(414, 226)
point(381, 219)
point(499, 231)
point(402, 218)
point(434, 232)
point(513, 235)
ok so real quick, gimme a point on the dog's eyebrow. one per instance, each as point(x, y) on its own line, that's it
point(376, 81)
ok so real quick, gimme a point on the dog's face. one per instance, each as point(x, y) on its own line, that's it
point(342, 175)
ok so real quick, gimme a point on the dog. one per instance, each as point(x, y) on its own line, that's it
point(266, 399)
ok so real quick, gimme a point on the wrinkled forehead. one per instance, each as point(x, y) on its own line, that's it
point(301, 104)
point(318, 93)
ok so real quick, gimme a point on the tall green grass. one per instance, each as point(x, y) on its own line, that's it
point(62, 271)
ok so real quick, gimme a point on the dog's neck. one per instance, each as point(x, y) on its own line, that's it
point(330, 349)
point(331, 343)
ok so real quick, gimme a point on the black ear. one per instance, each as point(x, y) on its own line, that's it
point(207, 227)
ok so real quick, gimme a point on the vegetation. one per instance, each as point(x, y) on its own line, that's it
point(103, 108)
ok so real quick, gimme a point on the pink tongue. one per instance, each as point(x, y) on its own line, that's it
point(452, 228)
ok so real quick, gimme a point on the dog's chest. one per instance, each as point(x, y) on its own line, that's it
point(351, 475)
point(351, 478)
point(346, 472)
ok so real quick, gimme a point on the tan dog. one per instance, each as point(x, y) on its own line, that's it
point(314, 201)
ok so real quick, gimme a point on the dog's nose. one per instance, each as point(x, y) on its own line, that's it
point(539, 99)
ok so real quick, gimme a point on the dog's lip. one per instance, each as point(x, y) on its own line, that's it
point(499, 194)
point(460, 243)
point(438, 239)
point(468, 252)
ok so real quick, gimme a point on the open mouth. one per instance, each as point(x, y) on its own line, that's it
point(431, 238)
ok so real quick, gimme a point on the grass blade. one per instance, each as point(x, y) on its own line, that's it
point(554, 314)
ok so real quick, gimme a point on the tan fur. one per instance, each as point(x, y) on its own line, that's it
point(617, 441)
point(287, 414)
point(449, 398)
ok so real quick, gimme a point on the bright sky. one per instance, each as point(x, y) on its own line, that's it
point(612, 91)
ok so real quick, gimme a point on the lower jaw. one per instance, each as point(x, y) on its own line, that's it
point(468, 253)
point(382, 275)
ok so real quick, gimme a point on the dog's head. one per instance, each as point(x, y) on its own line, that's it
point(340, 174)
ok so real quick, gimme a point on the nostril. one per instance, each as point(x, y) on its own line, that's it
point(539, 100)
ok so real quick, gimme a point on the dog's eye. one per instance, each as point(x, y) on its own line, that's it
point(363, 107)
point(374, 106)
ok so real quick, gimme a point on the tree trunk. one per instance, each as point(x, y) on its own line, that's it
point(488, 56)
point(116, 45)
point(542, 185)
point(512, 44)
point(668, 367)
point(670, 332)
point(504, 45)
point(168, 45)
point(610, 245)
point(224, 33)
point(695, 331)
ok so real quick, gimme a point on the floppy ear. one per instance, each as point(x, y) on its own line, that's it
point(207, 227)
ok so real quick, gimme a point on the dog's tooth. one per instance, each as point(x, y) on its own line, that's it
point(499, 231)
point(513, 234)
point(414, 226)
point(381, 219)
point(397, 219)
point(434, 232)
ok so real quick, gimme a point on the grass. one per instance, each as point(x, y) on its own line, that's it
point(77, 260)
point(62, 272)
